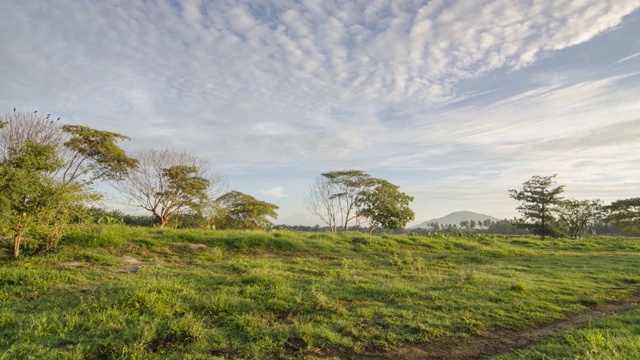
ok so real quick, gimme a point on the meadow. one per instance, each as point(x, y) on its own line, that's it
point(112, 291)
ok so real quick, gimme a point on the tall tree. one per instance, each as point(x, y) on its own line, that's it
point(335, 197)
point(538, 199)
point(574, 216)
point(169, 183)
point(241, 211)
point(625, 214)
point(322, 203)
point(37, 198)
point(386, 206)
point(87, 154)
point(95, 152)
point(26, 185)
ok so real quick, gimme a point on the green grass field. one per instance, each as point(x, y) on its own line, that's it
point(256, 295)
point(614, 337)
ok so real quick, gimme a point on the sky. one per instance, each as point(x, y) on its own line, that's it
point(455, 101)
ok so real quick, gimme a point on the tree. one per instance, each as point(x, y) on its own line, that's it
point(385, 206)
point(37, 198)
point(169, 183)
point(95, 152)
point(574, 216)
point(322, 203)
point(87, 154)
point(625, 214)
point(27, 189)
point(335, 196)
point(538, 199)
point(241, 211)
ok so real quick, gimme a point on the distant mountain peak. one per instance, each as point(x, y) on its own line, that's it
point(455, 218)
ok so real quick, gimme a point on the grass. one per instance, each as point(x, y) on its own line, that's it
point(256, 295)
point(614, 337)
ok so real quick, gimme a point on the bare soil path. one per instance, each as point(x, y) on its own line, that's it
point(498, 342)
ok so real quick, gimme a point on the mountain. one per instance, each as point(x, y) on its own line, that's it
point(454, 219)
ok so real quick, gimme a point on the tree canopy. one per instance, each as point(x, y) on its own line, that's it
point(339, 197)
point(169, 183)
point(538, 198)
point(574, 216)
point(625, 213)
point(236, 210)
point(386, 206)
point(107, 159)
point(45, 173)
point(335, 197)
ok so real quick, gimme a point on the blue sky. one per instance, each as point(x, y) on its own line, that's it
point(456, 101)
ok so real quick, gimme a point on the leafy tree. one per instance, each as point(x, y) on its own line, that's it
point(169, 183)
point(242, 211)
point(37, 198)
point(538, 199)
point(386, 206)
point(27, 188)
point(335, 197)
point(625, 214)
point(96, 152)
point(87, 154)
point(574, 216)
point(506, 227)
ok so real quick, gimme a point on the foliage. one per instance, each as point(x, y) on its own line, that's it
point(27, 189)
point(33, 201)
point(575, 216)
point(625, 213)
point(336, 197)
point(108, 160)
point(236, 210)
point(169, 184)
point(386, 206)
point(46, 172)
point(538, 199)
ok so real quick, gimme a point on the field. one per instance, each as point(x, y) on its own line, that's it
point(110, 292)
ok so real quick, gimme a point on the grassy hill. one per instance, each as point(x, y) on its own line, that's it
point(119, 292)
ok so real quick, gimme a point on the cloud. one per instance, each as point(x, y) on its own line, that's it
point(307, 85)
point(277, 192)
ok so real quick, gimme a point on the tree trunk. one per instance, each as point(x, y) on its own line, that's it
point(16, 244)
point(542, 226)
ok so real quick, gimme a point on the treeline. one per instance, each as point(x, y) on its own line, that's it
point(47, 173)
point(545, 212)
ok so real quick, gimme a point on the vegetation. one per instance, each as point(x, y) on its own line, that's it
point(575, 216)
point(334, 197)
point(170, 183)
point(46, 171)
point(538, 198)
point(386, 206)
point(338, 197)
point(241, 211)
point(614, 337)
point(113, 291)
point(625, 213)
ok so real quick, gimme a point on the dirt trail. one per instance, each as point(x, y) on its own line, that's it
point(499, 342)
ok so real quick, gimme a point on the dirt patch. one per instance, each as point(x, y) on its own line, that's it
point(498, 342)
point(128, 260)
point(189, 246)
point(132, 265)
